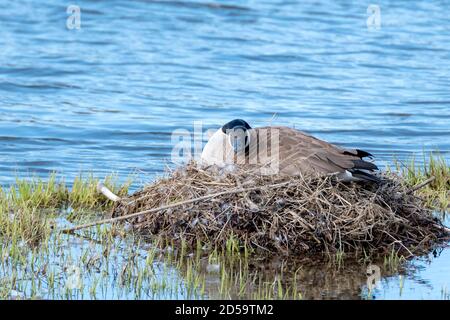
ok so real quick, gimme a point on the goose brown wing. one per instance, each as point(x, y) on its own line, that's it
point(304, 153)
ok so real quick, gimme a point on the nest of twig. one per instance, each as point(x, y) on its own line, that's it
point(284, 215)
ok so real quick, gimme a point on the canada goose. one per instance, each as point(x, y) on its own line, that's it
point(292, 151)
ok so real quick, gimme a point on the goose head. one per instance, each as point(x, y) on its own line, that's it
point(233, 138)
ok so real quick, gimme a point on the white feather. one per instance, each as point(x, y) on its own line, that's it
point(347, 176)
point(218, 151)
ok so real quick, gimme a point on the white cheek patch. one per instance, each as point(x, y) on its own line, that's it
point(217, 151)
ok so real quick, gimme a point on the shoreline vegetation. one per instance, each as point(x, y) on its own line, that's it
point(36, 261)
point(437, 193)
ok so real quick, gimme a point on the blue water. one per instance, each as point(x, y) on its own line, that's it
point(108, 96)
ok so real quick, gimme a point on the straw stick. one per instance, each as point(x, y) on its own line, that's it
point(137, 214)
point(421, 185)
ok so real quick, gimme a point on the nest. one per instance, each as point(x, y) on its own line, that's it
point(283, 215)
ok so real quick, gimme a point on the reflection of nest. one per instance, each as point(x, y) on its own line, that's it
point(283, 215)
point(305, 278)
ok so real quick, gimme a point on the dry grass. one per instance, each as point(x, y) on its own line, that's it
point(305, 216)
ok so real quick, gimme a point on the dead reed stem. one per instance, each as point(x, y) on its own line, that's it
point(181, 203)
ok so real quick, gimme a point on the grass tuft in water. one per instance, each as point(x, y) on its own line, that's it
point(29, 208)
point(437, 193)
